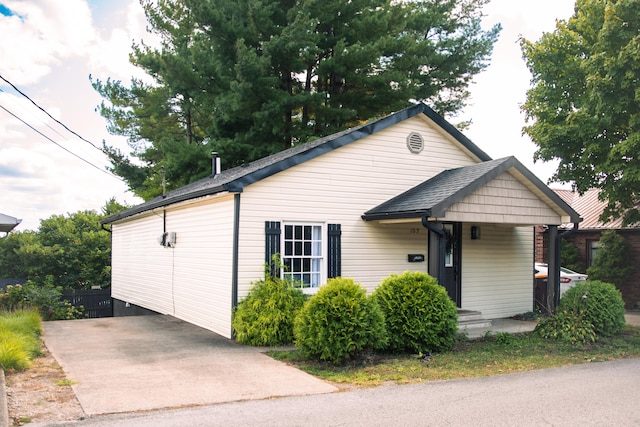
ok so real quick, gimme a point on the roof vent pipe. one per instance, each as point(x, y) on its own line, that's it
point(215, 163)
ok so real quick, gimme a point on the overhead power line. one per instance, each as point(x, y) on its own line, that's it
point(32, 114)
point(65, 149)
point(47, 113)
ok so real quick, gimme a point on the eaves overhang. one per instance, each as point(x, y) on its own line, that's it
point(162, 202)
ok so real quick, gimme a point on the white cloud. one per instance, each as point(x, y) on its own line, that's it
point(53, 46)
point(42, 34)
point(499, 91)
point(110, 57)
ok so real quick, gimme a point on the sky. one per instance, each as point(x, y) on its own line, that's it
point(49, 48)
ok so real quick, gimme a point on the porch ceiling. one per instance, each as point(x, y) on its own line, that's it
point(499, 191)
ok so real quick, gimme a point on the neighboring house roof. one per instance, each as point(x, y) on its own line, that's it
point(590, 208)
point(436, 195)
point(8, 223)
point(234, 180)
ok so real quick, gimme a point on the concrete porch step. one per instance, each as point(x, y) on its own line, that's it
point(469, 319)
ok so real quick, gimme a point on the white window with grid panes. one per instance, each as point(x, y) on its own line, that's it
point(303, 254)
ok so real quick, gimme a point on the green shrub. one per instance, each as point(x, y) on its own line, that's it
point(19, 339)
point(265, 317)
point(566, 326)
point(46, 298)
point(13, 355)
point(339, 322)
point(22, 322)
point(597, 303)
point(419, 314)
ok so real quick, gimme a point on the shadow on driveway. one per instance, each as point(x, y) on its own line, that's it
point(126, 364)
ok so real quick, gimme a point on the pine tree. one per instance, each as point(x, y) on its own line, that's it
point(249, 78)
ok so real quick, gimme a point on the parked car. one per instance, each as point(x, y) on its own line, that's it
point(568, 278)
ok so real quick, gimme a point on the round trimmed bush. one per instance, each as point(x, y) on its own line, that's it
point(265, 317)
point(418, 312)
point(339, 322)
point(598, 303)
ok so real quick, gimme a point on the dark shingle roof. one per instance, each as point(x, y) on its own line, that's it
point(435, 196)
point(234, 180)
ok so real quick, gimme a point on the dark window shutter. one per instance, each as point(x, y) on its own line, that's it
point(272, 245)
point(334, 252)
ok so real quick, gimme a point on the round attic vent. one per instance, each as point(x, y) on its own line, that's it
point(415, 142)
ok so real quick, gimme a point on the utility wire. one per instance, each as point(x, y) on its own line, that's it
point(35, 117)
point(65, 149)
point(53, 118)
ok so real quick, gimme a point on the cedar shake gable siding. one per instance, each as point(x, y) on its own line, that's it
point(434, 197)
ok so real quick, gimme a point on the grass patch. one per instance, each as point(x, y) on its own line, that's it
point(66, 383)
point(19, 339)
point(490, 355)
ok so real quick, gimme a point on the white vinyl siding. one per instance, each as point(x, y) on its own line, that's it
point(504, 200)
point(140, 265)
point(338, 188)
point(191, 281)
point(497, 270)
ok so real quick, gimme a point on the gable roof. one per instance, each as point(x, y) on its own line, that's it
point(435, 196)
point(234, 180)
point(590, 208)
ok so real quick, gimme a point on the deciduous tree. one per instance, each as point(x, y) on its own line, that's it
point(70, 251)
point(584, 106)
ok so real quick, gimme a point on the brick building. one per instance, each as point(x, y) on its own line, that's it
point(586, 239)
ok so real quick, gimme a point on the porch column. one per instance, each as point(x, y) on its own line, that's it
point(553, 263)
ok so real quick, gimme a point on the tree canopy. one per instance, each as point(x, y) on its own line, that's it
point(71, 251)
point(248, 78)
point(584, 106)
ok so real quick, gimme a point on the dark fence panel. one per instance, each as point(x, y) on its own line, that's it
point(96, 302)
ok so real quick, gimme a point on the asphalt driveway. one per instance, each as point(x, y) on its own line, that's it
point(126, 364)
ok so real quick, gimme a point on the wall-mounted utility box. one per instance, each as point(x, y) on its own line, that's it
point(171, 238)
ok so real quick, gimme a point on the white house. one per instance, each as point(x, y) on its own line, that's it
point(405, 192)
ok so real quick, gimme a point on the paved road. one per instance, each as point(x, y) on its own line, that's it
point(595, 394)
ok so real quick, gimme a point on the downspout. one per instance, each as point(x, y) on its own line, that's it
point(234, 262)
point(164, 221)
point(441, 245)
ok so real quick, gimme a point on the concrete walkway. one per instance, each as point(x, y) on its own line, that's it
point(125, 364)
point(502, 325)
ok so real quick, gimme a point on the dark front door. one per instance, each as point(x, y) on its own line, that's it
point(453, 232)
